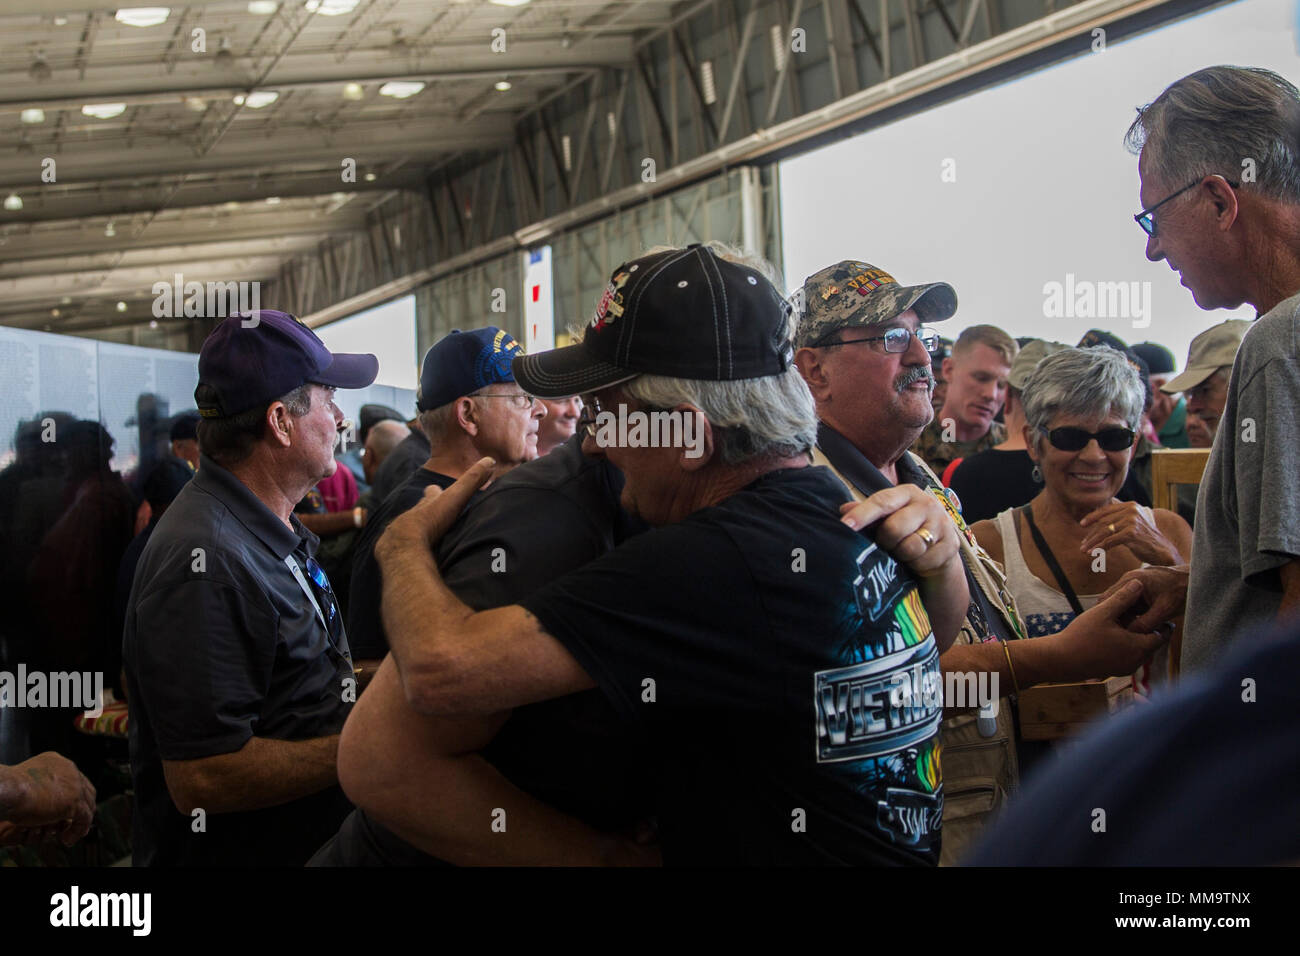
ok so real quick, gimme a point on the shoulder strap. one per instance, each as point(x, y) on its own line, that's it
point(1050, 558)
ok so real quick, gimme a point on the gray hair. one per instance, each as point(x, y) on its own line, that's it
point(230, 441)
point(436, 423)
point(1093, 382)
point(1211, 121)
point(751, 417)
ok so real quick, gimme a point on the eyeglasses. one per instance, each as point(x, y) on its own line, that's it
point(896, 340)
point(1076, 439)
point(1146, 219)
point(520, 399)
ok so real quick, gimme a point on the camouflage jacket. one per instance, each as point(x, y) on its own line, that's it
point(939, 454)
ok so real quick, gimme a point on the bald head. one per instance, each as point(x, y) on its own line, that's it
point(383, 438)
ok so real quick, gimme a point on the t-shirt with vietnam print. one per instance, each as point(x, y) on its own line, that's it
point(783, 671)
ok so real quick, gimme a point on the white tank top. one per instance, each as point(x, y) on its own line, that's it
point(1045, 609)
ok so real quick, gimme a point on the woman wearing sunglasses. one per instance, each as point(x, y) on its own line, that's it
point(1075, 539)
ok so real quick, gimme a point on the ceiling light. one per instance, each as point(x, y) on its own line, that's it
point(121, 306)
point(40, 68)
point(502, 86)
point(340, 197)
point(510, 3)
point(400, 89)
point(273, 200)
point(104, 110)
point(33, 116)
point(331, 8)
point(239, 99)
point(153, 323)
point(54, 313)
point(262, 8)
point(13, 202)
point(259, 98)
point(60, 21)
point(353, 91)
point(142, 16)
point(370, 177)
point(109, 231)
point(232, 204)
point(196, 103)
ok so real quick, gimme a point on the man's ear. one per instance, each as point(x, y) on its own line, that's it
point(947, 366)
point(697, 438)
point(279, 420)
point(1225, 203)
point(810, 365)
point(466, 417)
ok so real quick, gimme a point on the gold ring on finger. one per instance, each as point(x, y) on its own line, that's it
point(926, 535)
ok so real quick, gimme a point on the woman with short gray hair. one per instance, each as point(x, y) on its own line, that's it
point(1065, 548)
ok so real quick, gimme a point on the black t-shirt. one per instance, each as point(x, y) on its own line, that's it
point(408, 455)
point(542, 520)
point(756, 644)
point(1198, 777)
point(989, 483)
point(365, 590)
point(221, 644)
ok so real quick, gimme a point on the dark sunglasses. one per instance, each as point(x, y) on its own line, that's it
point(1076, 439)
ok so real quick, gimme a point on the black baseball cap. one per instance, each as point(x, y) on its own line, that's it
point(252, 358)
point(683, 313)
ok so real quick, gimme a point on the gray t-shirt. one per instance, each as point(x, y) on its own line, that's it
point(1248, 509)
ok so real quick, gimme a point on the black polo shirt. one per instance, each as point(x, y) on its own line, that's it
point(221, 644)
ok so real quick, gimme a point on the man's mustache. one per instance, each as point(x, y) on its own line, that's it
point(913, 375)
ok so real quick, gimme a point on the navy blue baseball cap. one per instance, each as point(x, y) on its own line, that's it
point(463, 362)
point(253, 358)
point(684, 313)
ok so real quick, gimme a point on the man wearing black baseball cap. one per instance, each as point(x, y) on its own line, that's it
point(752, 635)
point(238, 667)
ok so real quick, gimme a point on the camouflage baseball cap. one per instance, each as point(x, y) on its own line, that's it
point(853, 294)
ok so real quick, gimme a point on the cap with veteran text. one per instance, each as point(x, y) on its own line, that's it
point(684, 313)
point(255, 357)
point(1027, 359)
point(1213, 349)
point(854, 294)
point(461, 363)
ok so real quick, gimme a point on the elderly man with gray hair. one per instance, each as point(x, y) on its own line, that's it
point(753, 635)
point(1221, 197)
